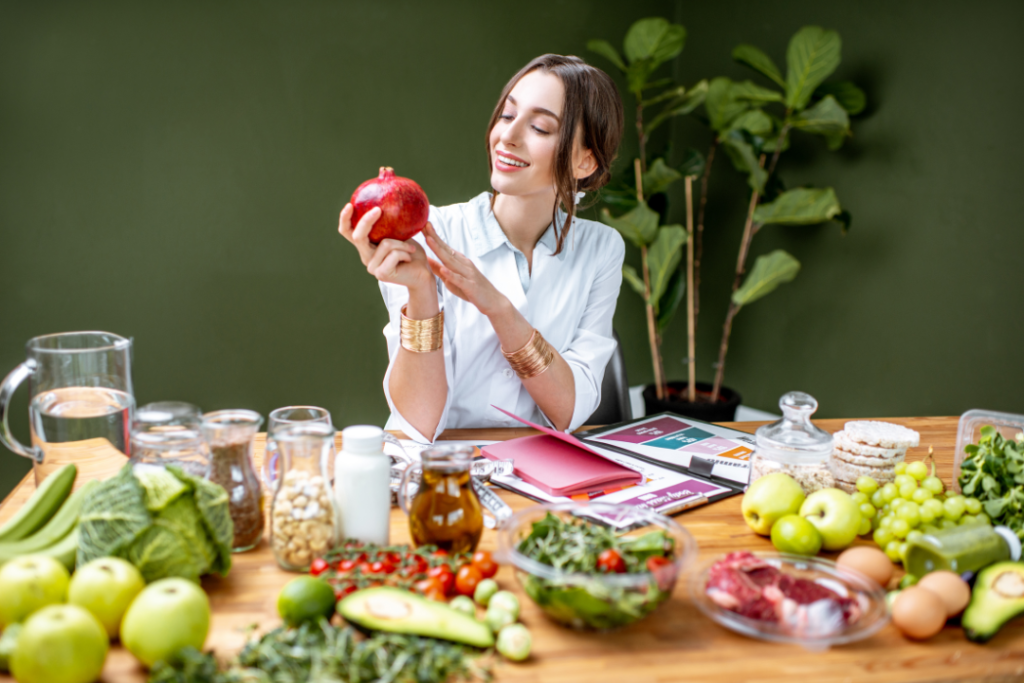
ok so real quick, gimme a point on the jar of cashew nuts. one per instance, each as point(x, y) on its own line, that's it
point(302, 516)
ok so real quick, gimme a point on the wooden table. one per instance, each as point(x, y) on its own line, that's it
point(676, 643)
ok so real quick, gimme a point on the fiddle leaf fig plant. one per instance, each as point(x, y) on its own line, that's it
point(648, 44)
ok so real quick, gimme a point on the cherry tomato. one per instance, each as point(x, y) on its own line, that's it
point(419, 562)
point(467, 579)
point(483, 561)
point(394, 558)
point(437, 595)
point(382, 567)
point(443, 573)
point(661, 568)
point(440, 552)
point(364, 568)
point(318, 567)
point(341, 590)
point(426, 585)
point(610, 562)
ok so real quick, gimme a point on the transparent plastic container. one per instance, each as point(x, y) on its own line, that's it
point(969, 432)
point(794, 446)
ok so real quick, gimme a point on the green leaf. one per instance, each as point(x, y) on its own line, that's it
point(693, 163)
point(605, 49)
point(637, 74)
point(654, 38)
point(769, 271)
point(755, 121)
point(802, 206)
point(659, 176)
point(744, 159)
point(671, 299)
point(663, 258)
point(825, 118)
point(751, 92)
point(850, 97)
point(639, 226)
point(722, 105)
point(671, 93)
point(634, 280)
point(680, 106)
point(813, 55)
point(619, 196)
point(758, 61)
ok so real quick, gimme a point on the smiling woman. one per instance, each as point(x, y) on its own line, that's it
point(482, 323)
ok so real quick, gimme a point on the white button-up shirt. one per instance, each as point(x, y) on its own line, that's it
point(570, 298)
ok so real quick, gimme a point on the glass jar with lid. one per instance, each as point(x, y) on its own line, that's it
point(794, 446)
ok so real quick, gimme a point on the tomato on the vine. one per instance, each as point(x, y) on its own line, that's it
point(425, 585)
point(611, 562)
point(440, 552)
point(394, 558)
point(318, 567)
point(467, 579)
point(343, 589)
point(443, 573)
point(483, 561)
point(382, 567)
point(364, 568)
point(347, 565)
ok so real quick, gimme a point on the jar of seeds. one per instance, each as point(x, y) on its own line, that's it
point(794, 446)
point(302, 517)
point(230, 434)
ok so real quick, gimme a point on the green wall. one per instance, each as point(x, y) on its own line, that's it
point(173, 172)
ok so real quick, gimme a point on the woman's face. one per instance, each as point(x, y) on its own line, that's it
point(525, 137)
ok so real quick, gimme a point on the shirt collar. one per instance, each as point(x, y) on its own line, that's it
point(492, 236)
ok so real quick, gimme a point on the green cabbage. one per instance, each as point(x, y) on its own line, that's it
point(164, 521)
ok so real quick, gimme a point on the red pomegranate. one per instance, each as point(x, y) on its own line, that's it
point(403, 204)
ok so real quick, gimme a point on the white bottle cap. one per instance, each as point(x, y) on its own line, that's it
point(1012, 542)
point(362, 439)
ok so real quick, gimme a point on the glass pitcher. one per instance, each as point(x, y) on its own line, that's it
point(80, 384)
point(445, 510)
point(230, 434)
point(303, 521)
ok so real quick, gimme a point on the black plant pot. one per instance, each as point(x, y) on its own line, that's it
point(675, 402)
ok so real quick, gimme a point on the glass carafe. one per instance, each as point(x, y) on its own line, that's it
point(229, 434)
point(302, 517)
point(81, 405)
point(278, 419)
point(445, 510)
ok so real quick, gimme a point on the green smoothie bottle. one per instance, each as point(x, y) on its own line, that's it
point(962, 549)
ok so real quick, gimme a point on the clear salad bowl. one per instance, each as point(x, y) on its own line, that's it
point(595, 601)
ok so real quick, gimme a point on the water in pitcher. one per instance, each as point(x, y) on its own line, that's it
point(77, 414)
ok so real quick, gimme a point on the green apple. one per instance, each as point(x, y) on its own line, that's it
point(106, 587)
point(29, 583)
point(835, 515)
point(60, 644)
point(794, 534)
point(166, 616)
point(769, 498)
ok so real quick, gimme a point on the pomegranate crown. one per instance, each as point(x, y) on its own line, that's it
point(386, 173)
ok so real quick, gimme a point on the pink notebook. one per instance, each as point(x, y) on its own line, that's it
point(558, 463)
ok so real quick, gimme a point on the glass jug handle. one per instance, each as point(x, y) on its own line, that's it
point(403, 496)
point(7, 388)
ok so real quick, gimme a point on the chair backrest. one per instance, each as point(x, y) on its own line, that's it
point(615, 405)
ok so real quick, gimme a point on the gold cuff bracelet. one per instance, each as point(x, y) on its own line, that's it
point(422, 336)
point(532, 359)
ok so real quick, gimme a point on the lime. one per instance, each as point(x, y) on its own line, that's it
point(305, 599)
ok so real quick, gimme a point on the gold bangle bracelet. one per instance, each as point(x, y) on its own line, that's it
point(422, 336)
point(532, 359)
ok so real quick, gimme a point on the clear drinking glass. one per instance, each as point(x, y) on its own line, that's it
point(303, 521)
point(169, 433)
point(230, 434)
point(282, 417)
point(80, 385)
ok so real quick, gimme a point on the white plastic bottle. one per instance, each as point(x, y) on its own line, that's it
point(362, 485)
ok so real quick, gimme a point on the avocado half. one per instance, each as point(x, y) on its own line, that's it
point(398, 611)
point(997, 598)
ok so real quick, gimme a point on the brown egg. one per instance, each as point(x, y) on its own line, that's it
point(953, 590)
point(869, 561)
point(918, 613)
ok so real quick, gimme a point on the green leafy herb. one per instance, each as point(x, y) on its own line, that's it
point(574, 545)
point(993, 472)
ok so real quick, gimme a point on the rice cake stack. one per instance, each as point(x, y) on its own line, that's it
point(869, 449)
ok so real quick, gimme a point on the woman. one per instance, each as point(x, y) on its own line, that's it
point(514, 308)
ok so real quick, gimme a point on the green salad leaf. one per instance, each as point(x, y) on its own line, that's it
point(993, 472)
point(162, 520)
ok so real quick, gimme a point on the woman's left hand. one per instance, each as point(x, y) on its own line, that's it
point(461, 276)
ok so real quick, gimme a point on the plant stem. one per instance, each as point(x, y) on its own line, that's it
point(741, 260)
point(640, 134)
point(699, 246)
point(691, 350)
point(778, 147)
point(652, 324)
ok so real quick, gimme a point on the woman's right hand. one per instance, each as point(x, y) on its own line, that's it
point(392, 261)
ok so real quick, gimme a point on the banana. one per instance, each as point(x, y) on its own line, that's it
point(59, 526)
point(64, 551)
point(38, 510)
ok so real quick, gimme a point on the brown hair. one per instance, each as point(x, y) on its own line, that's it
point(592, 103)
